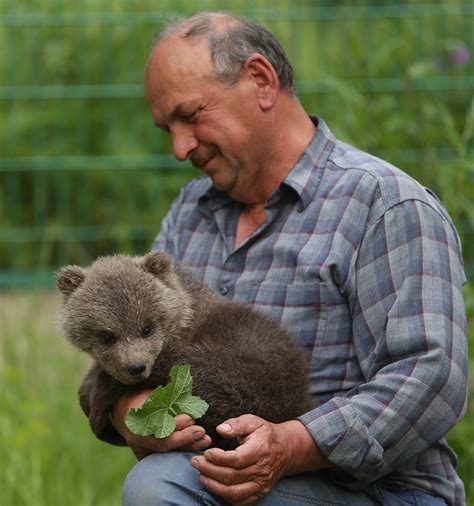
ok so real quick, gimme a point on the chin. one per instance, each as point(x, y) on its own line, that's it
point(224, 178)
point(224, 185)
point(131, 380)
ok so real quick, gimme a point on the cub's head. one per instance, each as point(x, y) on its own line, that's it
point(122, 310)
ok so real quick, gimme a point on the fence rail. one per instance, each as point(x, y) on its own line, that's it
point(83, 172)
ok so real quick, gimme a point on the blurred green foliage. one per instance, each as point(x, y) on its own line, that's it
point(83, 172)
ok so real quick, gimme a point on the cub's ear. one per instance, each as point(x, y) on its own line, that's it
point(158, 263)
point(69, 278)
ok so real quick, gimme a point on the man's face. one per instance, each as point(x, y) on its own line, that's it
point(215, 126)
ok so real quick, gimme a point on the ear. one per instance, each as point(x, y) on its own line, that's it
point(69, 279)
point(261, 71)
point(157, 263)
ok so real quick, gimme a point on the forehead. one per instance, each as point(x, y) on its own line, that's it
point(177, 67)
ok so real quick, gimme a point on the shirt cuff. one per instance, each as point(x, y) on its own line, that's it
point(343, 438)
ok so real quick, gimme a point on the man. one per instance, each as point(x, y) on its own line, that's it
point(356, 259)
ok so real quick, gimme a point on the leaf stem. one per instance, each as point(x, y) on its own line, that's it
point(173, 412)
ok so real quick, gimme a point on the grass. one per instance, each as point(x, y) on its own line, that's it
point(48, 454)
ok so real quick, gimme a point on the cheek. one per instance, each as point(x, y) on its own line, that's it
point(152, 347)
point(206, 134)
point(83, 343)
point(103, 354)
point(213, 128)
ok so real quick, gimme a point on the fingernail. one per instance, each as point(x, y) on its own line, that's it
point(200, 445)
point(198, 435)
point(225, 427)
point(195, 463)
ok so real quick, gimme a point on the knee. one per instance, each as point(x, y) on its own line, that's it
point(140, 486)
point(160, 479)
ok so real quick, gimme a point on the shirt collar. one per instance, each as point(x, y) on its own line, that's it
point(303, 178)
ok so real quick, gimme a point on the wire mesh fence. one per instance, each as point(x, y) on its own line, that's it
point(83, 172)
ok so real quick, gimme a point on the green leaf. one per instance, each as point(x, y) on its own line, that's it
point(156, 415)
point(147, 421)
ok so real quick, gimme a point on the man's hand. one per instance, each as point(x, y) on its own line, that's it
point(267, 452)
point(187, 436)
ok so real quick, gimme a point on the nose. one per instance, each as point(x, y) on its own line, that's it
point(136, 369)
point(184, 142)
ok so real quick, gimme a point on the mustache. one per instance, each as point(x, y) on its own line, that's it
point(200, 157)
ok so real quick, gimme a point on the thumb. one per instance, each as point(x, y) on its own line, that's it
point(240, 427)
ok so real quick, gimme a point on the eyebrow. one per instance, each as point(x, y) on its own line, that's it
point(180, 108)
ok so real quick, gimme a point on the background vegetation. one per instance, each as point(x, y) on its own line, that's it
point(83, 172)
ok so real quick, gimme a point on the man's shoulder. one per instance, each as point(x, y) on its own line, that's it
point(372, 178)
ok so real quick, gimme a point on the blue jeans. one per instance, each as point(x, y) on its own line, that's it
point(169, 479)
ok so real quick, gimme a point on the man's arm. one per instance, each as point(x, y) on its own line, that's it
point(266, 453)
point(107, 410)
point(409, 333)
point(187, 436)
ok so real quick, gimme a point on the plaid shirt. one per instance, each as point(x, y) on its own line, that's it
point(362, 265)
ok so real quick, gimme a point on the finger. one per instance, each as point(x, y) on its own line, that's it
point(182, 438)
point(224, 475)
point(245, 455)
point(178, 439)
point(241, 494)
point(199, 446)
point(240, 427)
point(183, 421)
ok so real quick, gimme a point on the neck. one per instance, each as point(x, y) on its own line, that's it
point(250, 218)
point(285, 138)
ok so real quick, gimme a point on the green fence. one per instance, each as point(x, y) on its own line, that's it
point(83, 172)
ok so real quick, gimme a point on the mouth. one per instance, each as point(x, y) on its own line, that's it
point(202, 164)
point(132, 380)
point(201, 159)
point(131, 377)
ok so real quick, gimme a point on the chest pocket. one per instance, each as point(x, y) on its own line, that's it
point(301, 308)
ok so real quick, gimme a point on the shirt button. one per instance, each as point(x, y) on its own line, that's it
point(223, 290)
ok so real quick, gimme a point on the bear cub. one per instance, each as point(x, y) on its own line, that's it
point(139, 316)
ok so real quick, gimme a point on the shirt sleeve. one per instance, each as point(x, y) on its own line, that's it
point(409, 334)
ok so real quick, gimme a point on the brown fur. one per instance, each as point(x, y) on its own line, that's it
point(241, 361)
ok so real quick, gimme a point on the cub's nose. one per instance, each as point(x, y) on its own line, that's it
point(136, 369)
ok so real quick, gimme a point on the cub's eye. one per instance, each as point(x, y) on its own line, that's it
point(147, 330)
point(108, 337)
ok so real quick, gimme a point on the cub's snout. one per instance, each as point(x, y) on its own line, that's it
point(137, 369)
point(125, 366)
point(132, 372)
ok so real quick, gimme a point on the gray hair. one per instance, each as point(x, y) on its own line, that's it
point(231, 40)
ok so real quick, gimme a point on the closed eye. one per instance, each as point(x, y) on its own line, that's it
point(188, 118)
point(184, 118)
